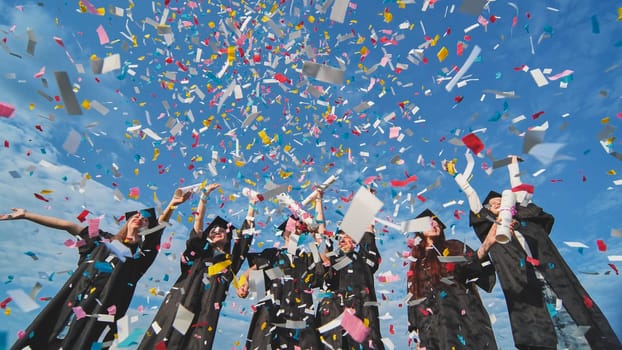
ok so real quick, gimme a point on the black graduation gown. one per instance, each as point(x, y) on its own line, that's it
point(452, 315)
point(100, 281)
point(199, 292)
point(285, 317)
point(352, 287)
point(529, 317)
point(536, 226)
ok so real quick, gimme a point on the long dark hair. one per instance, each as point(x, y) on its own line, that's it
point(435, 268)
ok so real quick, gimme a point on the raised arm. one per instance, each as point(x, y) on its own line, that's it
point(198, 221)
point(49, 221)
point(244, 240)
point(178, 198)
point(462, 181)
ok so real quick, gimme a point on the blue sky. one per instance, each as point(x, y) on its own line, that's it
point(300, 138)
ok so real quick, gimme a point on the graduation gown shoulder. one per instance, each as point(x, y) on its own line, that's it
point(101, 284)
point(352, 286)
point(449, 313)
point(536, 226)
point(529, 318)
point(199, 294)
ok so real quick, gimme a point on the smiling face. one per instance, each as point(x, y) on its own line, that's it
point(218, 236)
point(434, 231)
point(137, 222)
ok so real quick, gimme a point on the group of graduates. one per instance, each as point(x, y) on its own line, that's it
point(548, 307)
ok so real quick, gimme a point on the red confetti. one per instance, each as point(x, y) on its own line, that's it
point(82, 216)
point(537, 115)
point(38, 127)
point(421, 198)
point(473, 143)
point(402, 183)
point(391, 330)
point(587, 302)
point(532, 261)
point(601, 245)
point(4, 303)
point(614, 268)
point(282, 78)
point(6, 143)
point(40, 197)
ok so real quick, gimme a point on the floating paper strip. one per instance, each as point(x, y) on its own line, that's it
point(338, 12)
point(576, 244)
point(417, 225)
point(66, 92)
point(538, 77)
point(323, 73)
point(103, 36)
point(32, 42)
point(465, 67)
point(364, 205)
point(23, 300)
point(472, 7)
point(112, 62)
point(183, 319)
point(72, 142)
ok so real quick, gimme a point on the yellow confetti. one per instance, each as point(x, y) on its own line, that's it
point(619, 13)
point(611, 172)
point(86, 104)
point(46, 191)
point(605, 120)
point(31, 106)
point(87, 176)
point(136, 171)
point(388, 16)
point(446, 252)
point(7, 311)
point(156, 154)
point(218, 267)
point(264, 137)
point(311, 19)
point(442, 54)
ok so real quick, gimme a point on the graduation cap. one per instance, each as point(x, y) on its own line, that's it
point(220, 222)
point(148, 213)
point(429, 213)
point(491, 195)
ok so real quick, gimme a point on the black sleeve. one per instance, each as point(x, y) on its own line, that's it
point(474, 268)
point(241, 246)
point(369, 250)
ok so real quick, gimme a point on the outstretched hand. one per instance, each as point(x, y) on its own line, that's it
point(177, 200)
point(18, 213)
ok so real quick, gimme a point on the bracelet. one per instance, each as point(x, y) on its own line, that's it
point(203, 197)
point(172, 207)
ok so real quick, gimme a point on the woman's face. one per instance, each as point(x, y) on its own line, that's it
point(434, 231)
point(494, 205)
point(218, 235)
point(346, 244)
point(138, 222)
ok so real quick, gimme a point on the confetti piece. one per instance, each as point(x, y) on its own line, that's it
point(602, 247)
point(6, 110)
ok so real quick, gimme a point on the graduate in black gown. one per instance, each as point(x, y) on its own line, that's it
point(445, 310)
point(534, 276)
point(285, 317)
point(109, 267)
point(349, 284)
point(208, 266)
